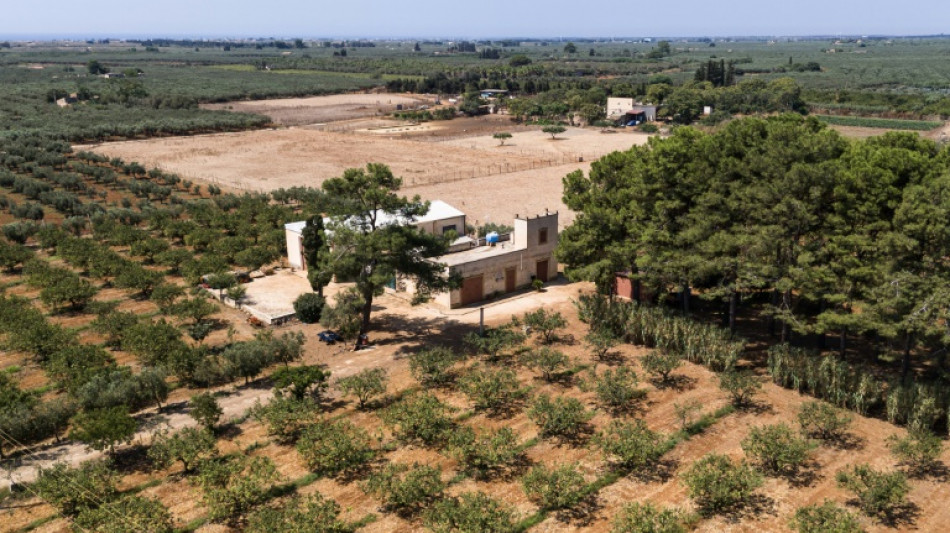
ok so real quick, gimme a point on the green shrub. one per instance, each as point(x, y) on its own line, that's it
point(403, 488)
point(878, 493)
point(825, 518)
point(102, 429)
point(740, 386)
point(205, 410)
point(305, 381)
point(126, 515)
point(302, 514)
point(776, 449)
point(648, 518)
point(233, 486)
point(660, 363)
point(558, 488)
point(632, 444)
point(648, 127)
point(330, 448)
point(308, 307)
point(492, 390)
point(73, 490)
point(545, 323)
point(418, 418)
point(919, 450)
point(600, 341)
point(823, 421)
point(286, 417)
point(616, 389)
point(717, 483)
point(561, 417)
point(432, 366)
point(364, 385)
point(190, 446)
point(549, 362)
point(495, 341)
point(483, 452)
point(472, 512)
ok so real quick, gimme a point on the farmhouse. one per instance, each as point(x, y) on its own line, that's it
point(488, 266)
point(626, 110)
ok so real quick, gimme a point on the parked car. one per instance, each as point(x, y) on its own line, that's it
point(329, 337)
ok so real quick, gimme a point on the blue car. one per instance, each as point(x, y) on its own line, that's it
point(329, 337)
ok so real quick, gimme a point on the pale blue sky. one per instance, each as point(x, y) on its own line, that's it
point(479, 18)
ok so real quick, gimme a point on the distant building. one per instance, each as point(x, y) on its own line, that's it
point(626, 110)
point(488, 266)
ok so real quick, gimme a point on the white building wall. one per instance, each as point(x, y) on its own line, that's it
point(618, 106)
point(294, 249)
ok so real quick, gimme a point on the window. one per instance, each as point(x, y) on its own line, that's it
point(543, 236)
point(446, 229)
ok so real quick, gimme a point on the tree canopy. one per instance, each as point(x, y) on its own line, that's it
point(783, 207)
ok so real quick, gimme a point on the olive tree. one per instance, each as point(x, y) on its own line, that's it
point(365, 384)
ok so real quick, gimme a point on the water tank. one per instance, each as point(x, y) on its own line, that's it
point(491, 238)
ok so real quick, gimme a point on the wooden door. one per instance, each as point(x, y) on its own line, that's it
point(511, 279)
point(472, 290)
point(543, 270)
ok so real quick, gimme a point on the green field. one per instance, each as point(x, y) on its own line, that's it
point(883, 123)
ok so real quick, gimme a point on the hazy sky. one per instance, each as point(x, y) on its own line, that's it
point(479, 18)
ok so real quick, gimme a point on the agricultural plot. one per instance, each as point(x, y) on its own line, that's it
point(460, 163)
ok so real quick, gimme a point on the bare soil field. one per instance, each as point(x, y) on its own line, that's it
point(456, 161)
point(319, 109)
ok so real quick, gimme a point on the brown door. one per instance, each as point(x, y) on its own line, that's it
point(472, 290)
point(511, 279)
point(543, 270)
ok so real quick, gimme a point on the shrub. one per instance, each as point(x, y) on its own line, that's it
point(301, 381)
point(616, 388)
point(403, 488)
point(102, 429)
point(330, 448)
point(740, 386)
point(562, 417)
point(492, 390)
point(418, 418)
point(483, 452)
point(72, 490)
point(558, 488)
point(919, 449)
point(205, 410)
point(632, 444)
point(825, 518)
point(432, 366)
point(308, 307)
point(364, 385)
point(776, 449)
point(233, 486)
point(248, 359)
point(131, 513)
point(823, 421)
point(545, 323)
point(190, 446)
point(717, 483)
point(495, 341)
point(660, 363)
point(302, 514)
point(878, 493)
point(553, 130)
point(344, 317)
point(648, 518)
point(549, 362)
point(472, 512)
point(648, 127)
point(600, 341)
point(686, 412)
point(286, 417)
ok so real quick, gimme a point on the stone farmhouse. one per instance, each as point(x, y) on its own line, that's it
point(488, 266)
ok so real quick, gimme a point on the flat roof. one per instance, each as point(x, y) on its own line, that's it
point(438, 210)
point(478, 253)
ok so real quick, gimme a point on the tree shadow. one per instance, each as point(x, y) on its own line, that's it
point(845, 441)
point(804, 476)
point(131, 459)
point(753, 507)
point(582, 514)
point(612, 358)
point(658, 472)
point(936, 471)
point(901, 516)
point(428, 331)
point(513, 470)
point(675, 382)
point(755, 407)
